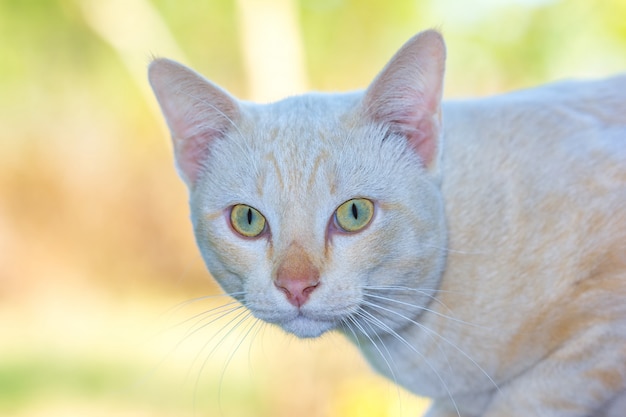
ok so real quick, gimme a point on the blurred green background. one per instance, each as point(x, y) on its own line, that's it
point(96, 250)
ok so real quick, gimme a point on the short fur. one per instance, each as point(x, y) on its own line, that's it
point(492, 276)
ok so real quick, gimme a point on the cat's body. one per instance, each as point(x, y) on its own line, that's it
point(482, 263)
point(536, 220)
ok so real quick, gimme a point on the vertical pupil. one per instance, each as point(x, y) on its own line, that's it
point(249, 216)
point(355, 211)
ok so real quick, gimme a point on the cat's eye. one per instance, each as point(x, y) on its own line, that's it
point(246, 220)
point(354, 215)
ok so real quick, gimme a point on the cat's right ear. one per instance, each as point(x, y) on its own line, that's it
point(196, 111)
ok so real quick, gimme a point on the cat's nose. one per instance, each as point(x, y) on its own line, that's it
point(297, 277)
point(296, 289)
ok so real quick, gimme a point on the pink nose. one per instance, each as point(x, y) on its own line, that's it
point(297, 289)
point(297, 276)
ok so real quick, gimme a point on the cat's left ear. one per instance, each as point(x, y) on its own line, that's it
point(406, 95)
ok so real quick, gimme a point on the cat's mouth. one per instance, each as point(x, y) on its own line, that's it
point(307, 321)
point(304, 326)
point(300, 323)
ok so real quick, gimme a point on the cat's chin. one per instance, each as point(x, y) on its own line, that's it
point(305, 327)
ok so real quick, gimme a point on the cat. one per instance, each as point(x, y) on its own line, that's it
point(473, 250)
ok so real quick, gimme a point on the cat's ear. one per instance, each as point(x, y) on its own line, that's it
point(406, 95)
point(196, 111)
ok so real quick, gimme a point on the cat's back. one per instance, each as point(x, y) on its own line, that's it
point(567, 134)
point(550, 109)
point(537, 180)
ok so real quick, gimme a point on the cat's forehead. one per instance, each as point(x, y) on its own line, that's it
point(314, 150)
point(296, 146)
point(299, 138)
point(311, 118)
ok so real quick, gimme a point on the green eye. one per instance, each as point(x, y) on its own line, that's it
point(247, 221)
point(354, 215)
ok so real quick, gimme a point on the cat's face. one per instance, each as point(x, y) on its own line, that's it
point(316, 212)
point(324, 195)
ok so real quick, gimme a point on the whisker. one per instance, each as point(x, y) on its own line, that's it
point(345, 323)
point(254, 324)
point(382, 355)
point(404, 288)
point(381, 325)
point(426, 329)
point(232, 355)
point(461, 252)
point(204, 322)
point(391, 364)
point(190, 332)
point(179, 306)
point(454, 319)
point(246, 314)
point(389, 355)
point(423, 291)
point(233, 305)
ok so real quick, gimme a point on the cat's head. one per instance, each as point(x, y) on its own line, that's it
point(319, 211)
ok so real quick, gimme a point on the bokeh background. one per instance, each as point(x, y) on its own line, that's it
point(97, 258)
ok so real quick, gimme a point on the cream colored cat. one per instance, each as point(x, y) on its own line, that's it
point(475, 251)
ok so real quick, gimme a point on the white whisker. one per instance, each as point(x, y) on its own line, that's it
point(381, 325)
point(246, 314)
point(420, 290)
point(423, 291)
point(380, 297)
point(176, 308)
point(390, 363)
point(432, 332)
point(232, 354)
point(232, 306)
point(461, 252)
point(191, 331)
point(369, 338)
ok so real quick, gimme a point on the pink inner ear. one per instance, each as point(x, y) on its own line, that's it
point(197, 112)
point(406, 95)
point(424, 140)
point(419, 125)
point(194, 131)
point(190, 154)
